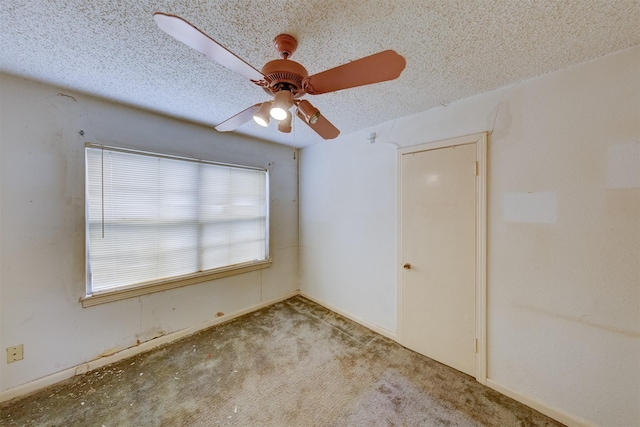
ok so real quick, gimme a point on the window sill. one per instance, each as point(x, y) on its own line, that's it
point(103, 297)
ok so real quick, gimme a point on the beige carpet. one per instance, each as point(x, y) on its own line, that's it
point(291, 364)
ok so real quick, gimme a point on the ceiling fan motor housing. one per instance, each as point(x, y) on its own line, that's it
point(284, 74)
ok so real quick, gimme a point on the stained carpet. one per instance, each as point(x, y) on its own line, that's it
point(291, 364)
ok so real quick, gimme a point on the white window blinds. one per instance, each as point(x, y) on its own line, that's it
point(151, 217)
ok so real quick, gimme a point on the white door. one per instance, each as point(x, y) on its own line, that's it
point(438, 252)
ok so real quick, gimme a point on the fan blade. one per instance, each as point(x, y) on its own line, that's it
point(322, 126)
point(239, 119)
point(183, 31)
point(379, 67)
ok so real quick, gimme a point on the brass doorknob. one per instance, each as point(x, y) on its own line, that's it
point(407, 266)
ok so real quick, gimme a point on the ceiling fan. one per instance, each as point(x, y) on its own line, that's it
point(285, 80)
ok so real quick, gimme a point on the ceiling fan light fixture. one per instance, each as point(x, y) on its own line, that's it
point(285, 124)
point(282, 101)
point(309, 112)
point(261, 116)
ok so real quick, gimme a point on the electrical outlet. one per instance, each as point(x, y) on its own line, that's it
point(15, 353)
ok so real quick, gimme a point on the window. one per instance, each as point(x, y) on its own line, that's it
point(153, 219)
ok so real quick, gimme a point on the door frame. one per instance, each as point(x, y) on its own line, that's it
point(480, 139)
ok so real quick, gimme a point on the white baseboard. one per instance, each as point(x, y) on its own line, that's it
point(22, 390)
point(375, 328)
point(555, 413)
point(52, 379)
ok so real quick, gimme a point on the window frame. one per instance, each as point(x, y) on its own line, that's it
point(92, 298)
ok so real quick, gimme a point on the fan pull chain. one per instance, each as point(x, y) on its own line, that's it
point(293, 124)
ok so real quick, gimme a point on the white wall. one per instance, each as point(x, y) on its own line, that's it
point(42, 229)
point(563, 232)
point(348, 228)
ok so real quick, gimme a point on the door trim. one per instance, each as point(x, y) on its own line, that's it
point(480, 139)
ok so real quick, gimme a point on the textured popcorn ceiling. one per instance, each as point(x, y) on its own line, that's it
point(454, 49)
